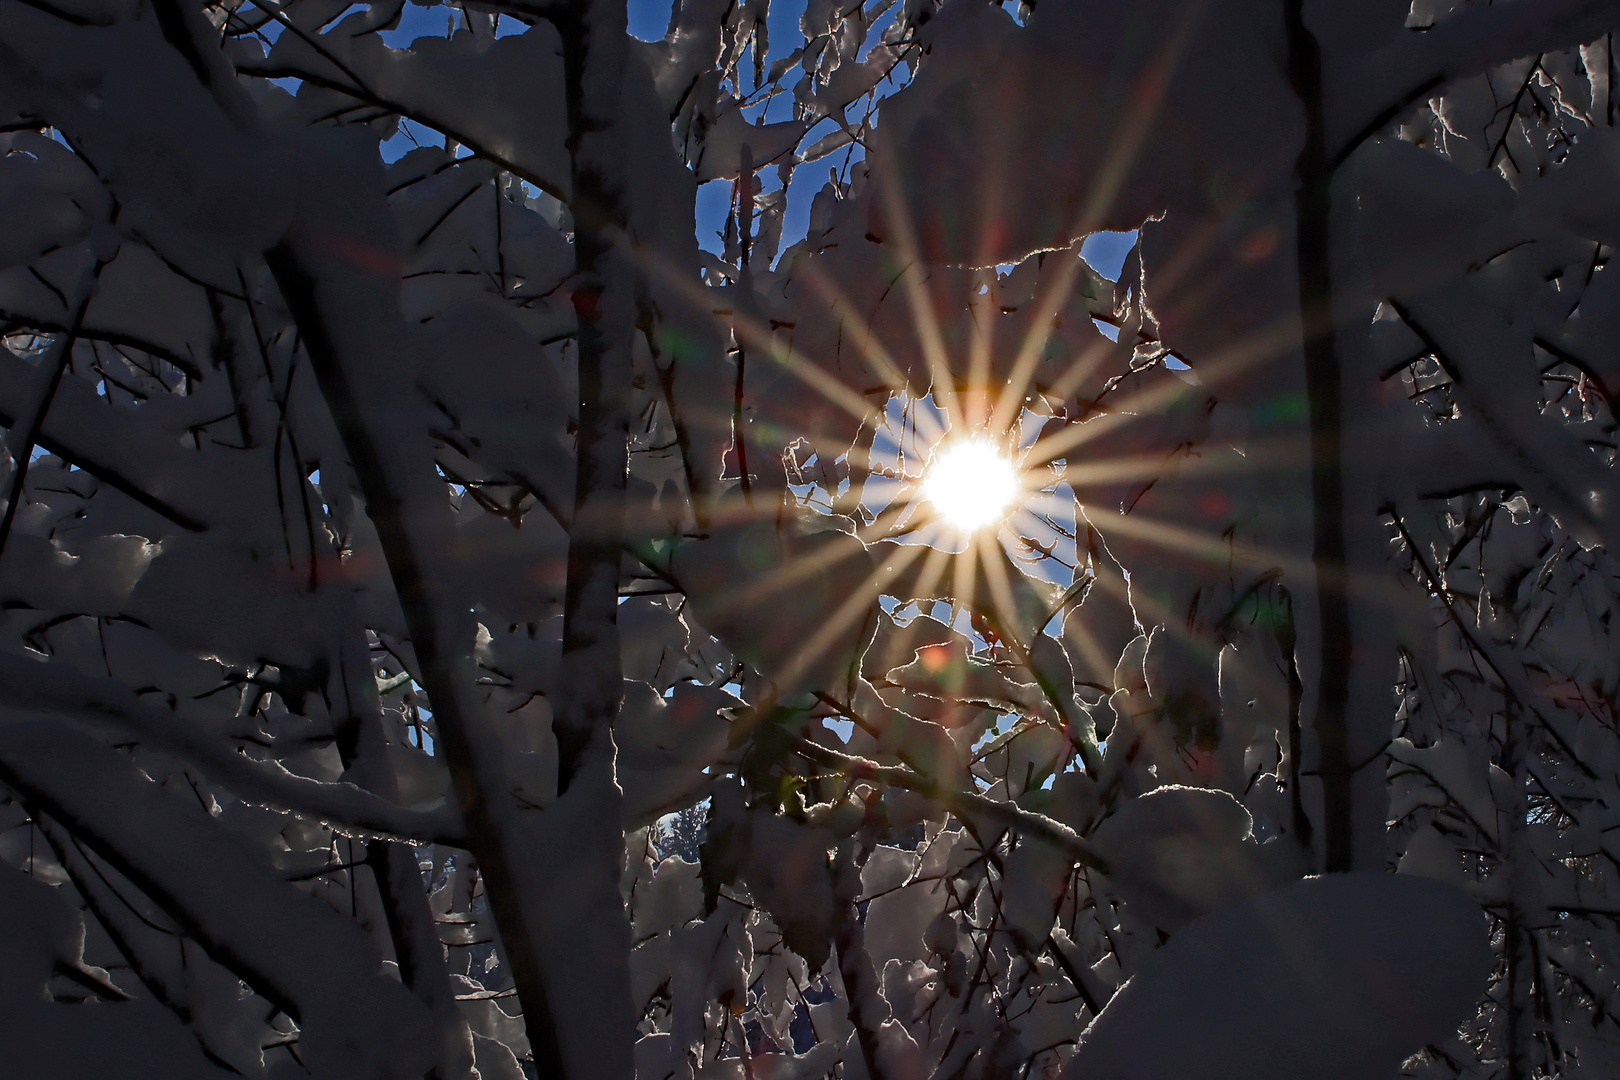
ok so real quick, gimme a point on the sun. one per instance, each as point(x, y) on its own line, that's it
point(971, 483)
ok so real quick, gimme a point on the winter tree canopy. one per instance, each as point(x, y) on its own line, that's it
point(875, 540)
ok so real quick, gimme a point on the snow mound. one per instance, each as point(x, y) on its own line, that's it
point(1335, 978)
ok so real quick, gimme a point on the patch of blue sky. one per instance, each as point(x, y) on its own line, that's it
point(809, 179)
point(420, 22)
point(1012, 7)
point(783, 25)
point(1044, 528)
point(409, 136)
point(1106, 251)
point(271, 30)
point(1004, 723)
point(352, 9)
point(713, 204)
point(714, 198)
point(900, 447)
point(649, 19)
point(844, 729)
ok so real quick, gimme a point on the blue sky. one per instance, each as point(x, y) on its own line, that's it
point(649, 19)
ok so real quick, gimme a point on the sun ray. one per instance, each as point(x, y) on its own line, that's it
point(1083, 366)
point(1054, 294)
point(981, 315)
point(922, 314)
point(933, 569)
point(1083, 639)
point(876, 353)
point(1050, 503)
point(780, 579)
point(982, 312)
point(1058, 698)
point(1215, 549)
point(761, 337)
point(1149, 612)
point(933, 572)
point(988, 552)
point(1218, 550)
point(1049, 448)
point(1089, 473)
point(1126, 411)
point(1136, 120)
point(1179, 538)
point(860, 599)
point(1134, 125)
point(888, 523)
point(964, 583)
point(803, 368)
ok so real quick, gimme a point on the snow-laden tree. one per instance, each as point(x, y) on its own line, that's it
point(461, 618)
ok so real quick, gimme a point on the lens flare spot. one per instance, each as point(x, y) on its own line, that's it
point(971, 483)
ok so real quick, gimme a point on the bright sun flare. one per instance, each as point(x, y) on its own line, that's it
point(971, 483)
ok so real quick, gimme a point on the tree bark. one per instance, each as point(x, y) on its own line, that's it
point(475, 768)
point(1313, 204)
point(588, 696)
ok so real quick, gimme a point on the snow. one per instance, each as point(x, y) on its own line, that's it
point(668, 747)
point(1333, 977)
point(501, 96)
point(41, 933)
point(190, 615)
point(735, 572)
point(1129, 100)
point(136, 1040)
point(33, 686)
point(319, 967)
